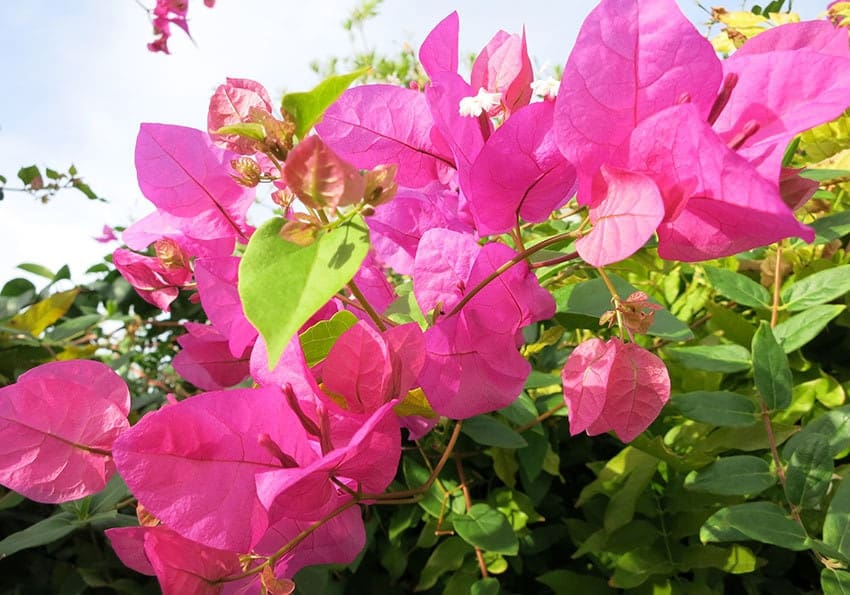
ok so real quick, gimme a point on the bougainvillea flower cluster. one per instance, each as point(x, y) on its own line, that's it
point(649, 134)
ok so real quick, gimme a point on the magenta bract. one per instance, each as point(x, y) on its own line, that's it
point(231, 104)
point(611, 385)
point(58, 423)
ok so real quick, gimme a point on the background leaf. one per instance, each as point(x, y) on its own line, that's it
point(771, 371)
point(307, 107)
point(488, 529)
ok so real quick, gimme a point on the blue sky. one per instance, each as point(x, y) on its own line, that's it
point(78, 81)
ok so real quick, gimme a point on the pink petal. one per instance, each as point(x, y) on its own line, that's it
point(338, 541)
point(785, 92)
point(519, 171)
point(377, 124)
point(511, 301)
point(367, 460)
point(206, 359)
point(319, 177)
point(184, 174)
point(585, 381)
point(638, 389)
point(716, 202)
point(632, 59)
point(503, 66)
point(231, 104)
point(819, 36)
point(358, 368)
point(465, 135)
point(406, 345)
point(186, 231)
point(372, 281)
point(630, 210)
point(439, 52)
point(192, 464)
point(129, 544)
point(396, 227)
point(58, 423)
point(217, 280)
point(614, 386)
point(443, 262)
point(154, 283)
point(185, 567)
point(468, 372)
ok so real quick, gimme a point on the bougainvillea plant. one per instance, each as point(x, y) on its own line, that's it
point(408, 280)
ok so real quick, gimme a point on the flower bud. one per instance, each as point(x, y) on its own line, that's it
point(380, 184)
point(247, 170)
point(170, 254)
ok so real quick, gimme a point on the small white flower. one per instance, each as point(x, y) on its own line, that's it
point(483, 102)
point(546, 88)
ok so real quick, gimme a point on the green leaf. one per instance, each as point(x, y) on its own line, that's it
point(809, 472)
point(823, 175)
point(250, 130)
point(37, 269)
point(85, 189)
point(567, 582)
point(817, 288)
point(738, 287)
point(73, 326)
point(308, 107)
point(41, 533)
point(835, 582)
point(39, 316)
point(415, 475)
point(282, 284)
point(624, 501)
point(802, 328)
point(719, 408)
point(833, 425)
point(836, 525)
point(741, 475)
point(489, 431)
point(760, 521)
point(592, 298)
point(106, 499)
point(485, 586)
point(447, 556)
point(487, 528)
point(771, 371)
point(735, 559)
point(10, 500)
point(317, 340)
point(831, 227)
point(30, 175)
point(712, 358)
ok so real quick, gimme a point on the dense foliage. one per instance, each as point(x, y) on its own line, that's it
point(503, 335)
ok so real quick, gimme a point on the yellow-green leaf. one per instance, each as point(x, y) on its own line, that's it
point(39, 316)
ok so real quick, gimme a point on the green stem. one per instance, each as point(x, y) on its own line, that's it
point(513, 261)
point(376, 318)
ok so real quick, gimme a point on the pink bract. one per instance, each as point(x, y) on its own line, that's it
point(503, 66)
point(217, 280)
point(206, 358)
point(231, 104)
point(519, 173)
point(58, 423)
point(177, 460)
point(377, 124)
point(611, 385)
point(185, 175)
point(155, 283)
point(439, 52)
